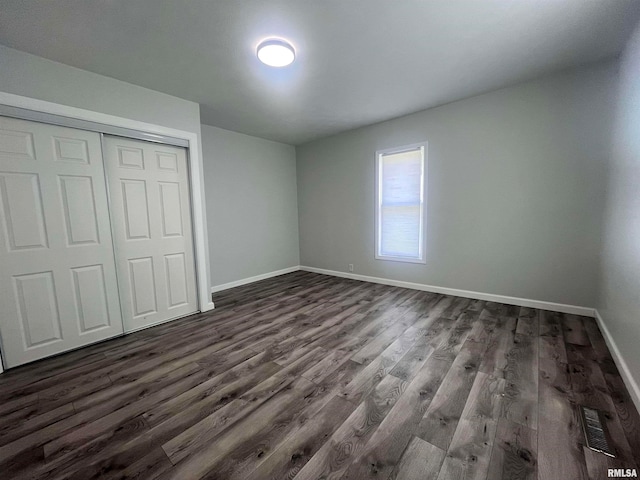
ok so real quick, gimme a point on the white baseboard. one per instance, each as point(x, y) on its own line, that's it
point(208, 307)
point(522, 302)
point(625, 371)
point(244, 281)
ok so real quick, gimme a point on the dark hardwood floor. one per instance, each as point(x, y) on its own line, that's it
point(308, 376)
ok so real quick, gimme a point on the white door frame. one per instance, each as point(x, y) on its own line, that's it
point(196, 173)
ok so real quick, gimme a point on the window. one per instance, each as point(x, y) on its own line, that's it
point(400, 189)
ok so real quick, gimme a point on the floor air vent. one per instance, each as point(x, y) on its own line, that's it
point(594, 431)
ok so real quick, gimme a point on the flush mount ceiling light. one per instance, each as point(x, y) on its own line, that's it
point(276, 53)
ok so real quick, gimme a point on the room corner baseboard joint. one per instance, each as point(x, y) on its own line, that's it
point(625, 371)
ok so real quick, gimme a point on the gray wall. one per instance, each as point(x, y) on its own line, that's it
point(619, 303)
point(251, 205)
point(515, 190)
point(31, 76)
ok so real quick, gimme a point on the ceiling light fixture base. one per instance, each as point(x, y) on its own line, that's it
point(276, 52)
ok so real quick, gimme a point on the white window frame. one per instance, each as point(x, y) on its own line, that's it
point(423, 196)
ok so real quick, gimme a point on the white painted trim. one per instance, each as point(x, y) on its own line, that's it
point(244, 281)
point(522, 302)
point(625, 371)
point(196, 172)
point(88, 115)
point(423, 147)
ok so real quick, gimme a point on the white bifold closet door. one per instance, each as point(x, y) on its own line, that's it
point(151, 214)
point(58, 287)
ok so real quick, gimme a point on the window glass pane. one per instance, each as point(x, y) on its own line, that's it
point(400, 231)
point(401, 174)
point(400, 218)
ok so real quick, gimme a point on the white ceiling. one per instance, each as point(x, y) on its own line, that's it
point(358, 61)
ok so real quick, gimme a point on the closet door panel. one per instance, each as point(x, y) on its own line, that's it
point(58, 287)
point(150, 208)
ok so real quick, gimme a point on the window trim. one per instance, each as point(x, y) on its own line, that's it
point(423, 210)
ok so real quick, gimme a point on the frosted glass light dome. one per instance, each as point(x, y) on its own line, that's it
point(276, 53)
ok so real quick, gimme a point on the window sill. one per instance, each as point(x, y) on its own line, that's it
point(400, 259)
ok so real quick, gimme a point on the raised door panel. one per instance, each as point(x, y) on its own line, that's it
point(79, 209)
point(91, 299)
point(136, 209)
point(130, 157)
point(143, 286)
point(15, 144)
point(37, 305)
point(176, 274)
point(58, 286)
point(22, 211)
point(167, 161)
point(170, 209)
point(71, 150)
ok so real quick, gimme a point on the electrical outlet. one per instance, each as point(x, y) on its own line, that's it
point(351, 267)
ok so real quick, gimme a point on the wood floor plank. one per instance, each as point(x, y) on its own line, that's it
point(528, 312)
point(528, 322)
point(469, 453)
point(149, 467)
point(381, 455)
point(325, 367)
point(379, 343)
point(10, 431)
point(596, 340)
point(421, 461)
point(495, 359)
point(196, 460)
point(216, 390)
point(457, 307)
point(181, 380)
point(61, 394)
point(574, 330)
point(520, 403)
point(450, 340)
point(18, 402)
point(192, 438)
point(341, 341)
point(560, 453)
point(297, 449)
point(514, 453)
point(246, 457)
point(411, 362)
point(483, 328)
point(334, 457)
point(367, 380)
point(626, 412)
point(311, 376)
point(502, 310)
point(186, 410)
point(441, 418)
point(202, 433)
point(552, 344)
